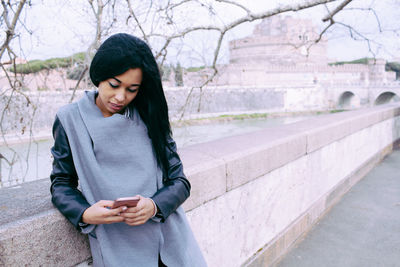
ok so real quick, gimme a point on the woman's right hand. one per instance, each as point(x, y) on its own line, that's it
point(101, 213)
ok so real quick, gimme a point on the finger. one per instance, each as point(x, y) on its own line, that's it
point(135, 223)
point(118, 210)
point(141, 219)
point(115, 212)
point(129, 215)
point(138, 222)
point(132, 220)
point(132, 215)
point(130, 224)
point(141, 202)
point(114, 219)
point(134, 209)
point(147, 204)
point(105, 203)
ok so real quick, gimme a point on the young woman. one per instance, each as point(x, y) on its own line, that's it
point(117, 142)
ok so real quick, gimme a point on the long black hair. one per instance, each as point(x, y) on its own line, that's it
point(115, 56)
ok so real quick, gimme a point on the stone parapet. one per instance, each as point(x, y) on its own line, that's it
point(252, 195)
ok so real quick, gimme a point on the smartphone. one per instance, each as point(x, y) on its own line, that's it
point(126, 201)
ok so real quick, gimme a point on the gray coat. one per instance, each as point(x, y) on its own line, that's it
point(113, 158)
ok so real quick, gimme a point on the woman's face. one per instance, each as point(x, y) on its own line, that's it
point(117, 92)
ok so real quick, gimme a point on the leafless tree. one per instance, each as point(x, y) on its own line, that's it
point(9, 22)
point(173, 31)
point(97, 7)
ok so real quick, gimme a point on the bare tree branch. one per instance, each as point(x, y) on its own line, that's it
point(336, 10)
point(132, 14)
point(99, 17)
point(378, 21)
point(354, 33)
point(5, 14)
point(279, 10)
point(83, 73)
point(170, 6)
point(10, 26)
point(319, 38)
point(98, 14)
point(235, 4)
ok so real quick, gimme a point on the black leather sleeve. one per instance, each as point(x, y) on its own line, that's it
point(176, 186)
point(64, 180)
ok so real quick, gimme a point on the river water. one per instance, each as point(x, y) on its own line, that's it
point(32, 161)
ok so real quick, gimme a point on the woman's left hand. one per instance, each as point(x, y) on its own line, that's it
point(138, 215)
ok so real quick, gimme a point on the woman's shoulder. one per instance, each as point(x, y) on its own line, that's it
point(68, 110)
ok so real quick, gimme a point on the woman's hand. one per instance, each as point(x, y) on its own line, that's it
point(100, 213)
point(138, 215)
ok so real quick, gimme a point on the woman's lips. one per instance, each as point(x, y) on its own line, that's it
point(116, 107)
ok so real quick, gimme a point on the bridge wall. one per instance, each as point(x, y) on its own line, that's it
point(252, 195)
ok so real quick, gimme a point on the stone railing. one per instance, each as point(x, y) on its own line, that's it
point(252, 195)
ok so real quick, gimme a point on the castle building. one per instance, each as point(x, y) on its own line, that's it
point(280, 41)
point(283, 51)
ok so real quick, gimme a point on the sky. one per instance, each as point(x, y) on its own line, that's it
point(62, 27)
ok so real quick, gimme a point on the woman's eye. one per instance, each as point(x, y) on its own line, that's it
point(113, 85)
point(132, 90)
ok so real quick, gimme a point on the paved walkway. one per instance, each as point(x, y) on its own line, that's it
point(362, 230)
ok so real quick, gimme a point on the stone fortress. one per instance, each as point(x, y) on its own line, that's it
point(282, 51)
